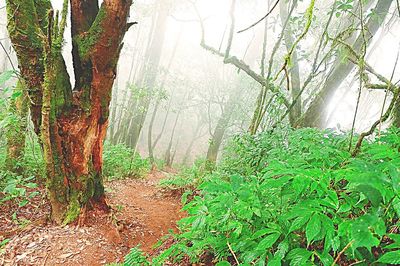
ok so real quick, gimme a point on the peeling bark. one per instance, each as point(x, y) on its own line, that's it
point(72, 124)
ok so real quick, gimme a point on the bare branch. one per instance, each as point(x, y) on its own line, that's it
point(269, 12)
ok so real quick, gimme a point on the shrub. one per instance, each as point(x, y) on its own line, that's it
point(14, 188)
point(297, 198)
point(187, 178)
point(121, 162)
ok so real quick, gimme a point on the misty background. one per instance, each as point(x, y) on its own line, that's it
point(171, 88)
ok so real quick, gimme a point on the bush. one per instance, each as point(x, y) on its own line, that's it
point(15, 188)
point(297, 198)
point(187, 178)
point(121, 162)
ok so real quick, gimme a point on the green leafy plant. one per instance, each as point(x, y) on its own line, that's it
point(3, 243)
point(122, 162)
point(187, 178)
point(297, 197)
point(15, 188)
point(136, 257)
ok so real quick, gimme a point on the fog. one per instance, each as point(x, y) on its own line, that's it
point(183, 93)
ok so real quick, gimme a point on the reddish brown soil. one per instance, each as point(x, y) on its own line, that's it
point(142, 214)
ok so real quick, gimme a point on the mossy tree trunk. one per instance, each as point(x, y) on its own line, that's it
point(217, 138)
point(220, 130)
point(294, 71)
point(16, 129)
point(70, 122)
point(396, 114)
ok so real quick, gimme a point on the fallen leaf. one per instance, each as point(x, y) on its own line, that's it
point(66, 255)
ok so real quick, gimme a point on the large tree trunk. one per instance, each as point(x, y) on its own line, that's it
point(220, 129)
point(316, 115)
point(71, 123)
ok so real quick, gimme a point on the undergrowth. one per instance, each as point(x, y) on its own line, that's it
point(187, 178)
point(296, 197)
point(122, 162)
point(119, 162)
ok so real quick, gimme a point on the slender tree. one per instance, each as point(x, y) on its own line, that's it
point(71, 123)
point(149, 73)
point(316, 115)
point(294, 71)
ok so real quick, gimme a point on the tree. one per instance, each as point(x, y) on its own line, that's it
point(294, 70)
point(149, 73)
point(71, 123)
point(316, 114)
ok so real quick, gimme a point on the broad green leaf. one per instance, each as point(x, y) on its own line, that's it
point(268, 241)
point(223, 263)
point(276, 261)
point(313, 228)
point(262, 232)
point(396, 244)
point(298, 256)
point(325, 258)
point(391, 258)
point(363, 237)
point(371, 193)
point(298, 223)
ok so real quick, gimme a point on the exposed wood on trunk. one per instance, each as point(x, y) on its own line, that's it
point(72, 126)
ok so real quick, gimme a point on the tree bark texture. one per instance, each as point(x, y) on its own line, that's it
point(71, 123)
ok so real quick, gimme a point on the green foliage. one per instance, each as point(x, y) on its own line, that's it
point(3, 244)
point(32, 163)
point(136, 257)
point(343, 7)
point(14, 188)
point(121, 162)
point(187, 178)
point(297, 198)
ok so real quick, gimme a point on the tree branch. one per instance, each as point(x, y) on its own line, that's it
point(255, 24)
point(233, 60)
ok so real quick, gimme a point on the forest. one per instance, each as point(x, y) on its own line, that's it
point(200, 132)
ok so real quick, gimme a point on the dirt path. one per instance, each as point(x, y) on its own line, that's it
point(143, 213)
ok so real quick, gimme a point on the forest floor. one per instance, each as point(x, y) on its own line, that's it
point(142, 214)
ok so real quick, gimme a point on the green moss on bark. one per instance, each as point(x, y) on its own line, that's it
point(16, 129)
point(87, 40)
point(74, 208)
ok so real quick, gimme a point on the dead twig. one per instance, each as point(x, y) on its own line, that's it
point(233, 253)
point(341, 252)
point(261, 19)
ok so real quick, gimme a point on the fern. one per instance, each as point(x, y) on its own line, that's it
point(135, 258)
